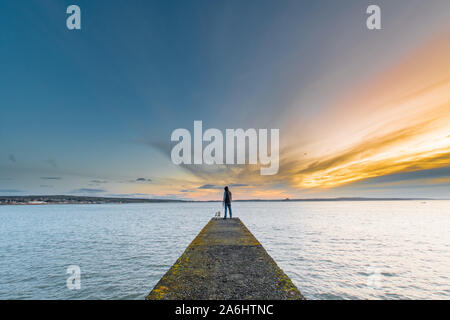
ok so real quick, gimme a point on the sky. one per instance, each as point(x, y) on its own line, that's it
point(361, 113)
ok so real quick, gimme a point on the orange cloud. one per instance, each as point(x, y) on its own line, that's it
point(398, 122)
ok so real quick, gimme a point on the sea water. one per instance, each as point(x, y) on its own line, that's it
point(330, 250)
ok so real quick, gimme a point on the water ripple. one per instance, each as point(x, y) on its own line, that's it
point(344, 250)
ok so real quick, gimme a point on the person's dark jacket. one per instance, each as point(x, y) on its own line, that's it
point(227, 197)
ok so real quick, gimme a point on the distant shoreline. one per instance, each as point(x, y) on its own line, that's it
point(69, 199)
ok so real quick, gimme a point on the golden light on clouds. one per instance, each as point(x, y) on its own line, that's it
point(396, 122)
point(400, 123)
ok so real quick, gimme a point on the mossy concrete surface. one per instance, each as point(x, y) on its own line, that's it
point(225, 261)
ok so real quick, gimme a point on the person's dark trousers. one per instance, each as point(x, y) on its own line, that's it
point(229, 208)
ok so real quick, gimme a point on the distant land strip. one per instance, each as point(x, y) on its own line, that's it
point(69, 199)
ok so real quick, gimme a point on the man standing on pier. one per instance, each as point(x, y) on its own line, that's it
point(227, 202)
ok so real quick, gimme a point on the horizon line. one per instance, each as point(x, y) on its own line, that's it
point(49, 197)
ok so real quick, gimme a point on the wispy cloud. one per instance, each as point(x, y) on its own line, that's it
point(88, 190)
point(51, 178)
point(210, 186)
point(99, 181)
point(213, 186)
point(12, 158)
point(143, 180)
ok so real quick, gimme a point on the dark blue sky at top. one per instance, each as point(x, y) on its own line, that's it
point(139, 69)
point(158, 64)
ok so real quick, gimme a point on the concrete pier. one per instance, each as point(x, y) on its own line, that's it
point(225, 261)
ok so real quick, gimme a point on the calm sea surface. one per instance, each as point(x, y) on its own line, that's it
point(331, 250)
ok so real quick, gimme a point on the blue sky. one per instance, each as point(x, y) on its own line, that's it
point(95, 108)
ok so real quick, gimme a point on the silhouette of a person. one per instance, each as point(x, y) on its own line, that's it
point(227, 202)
